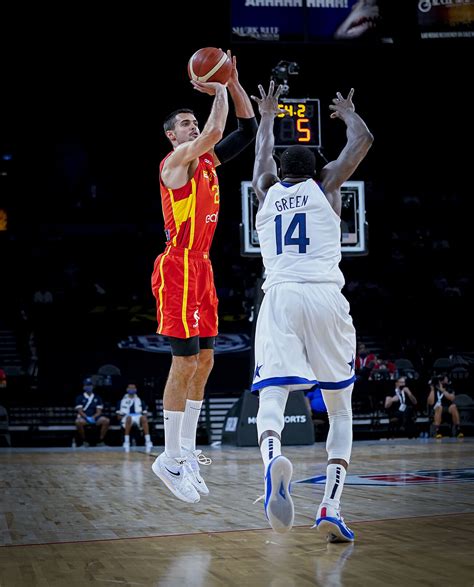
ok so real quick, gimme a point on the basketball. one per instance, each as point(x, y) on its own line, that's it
point(210, 65)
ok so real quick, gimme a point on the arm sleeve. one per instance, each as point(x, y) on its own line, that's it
point(237, 140)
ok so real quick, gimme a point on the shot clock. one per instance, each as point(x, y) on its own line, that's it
point(301, 125)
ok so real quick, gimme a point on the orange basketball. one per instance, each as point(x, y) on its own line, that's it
point(210, 65)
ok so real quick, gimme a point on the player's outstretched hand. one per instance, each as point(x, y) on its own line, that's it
point(342, 106)
point(268, 102)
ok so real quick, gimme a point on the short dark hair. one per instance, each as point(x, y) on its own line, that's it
point(170, 120)
point(298, 161)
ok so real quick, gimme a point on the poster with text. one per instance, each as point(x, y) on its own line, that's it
point(446, 19)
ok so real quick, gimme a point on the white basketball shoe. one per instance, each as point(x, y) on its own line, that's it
point(279, 507)
point(194, 458)
point(174, 475)
point(330, 522)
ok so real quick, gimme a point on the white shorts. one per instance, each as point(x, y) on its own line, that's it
point(304, 336)
point(135, 419)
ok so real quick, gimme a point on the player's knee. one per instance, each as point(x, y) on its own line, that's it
point(338, 402)
point(185, 366)
point(206, 360)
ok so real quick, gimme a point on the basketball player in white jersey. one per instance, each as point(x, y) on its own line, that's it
point(304, 332)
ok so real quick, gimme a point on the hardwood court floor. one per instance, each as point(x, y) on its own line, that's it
point(100, 517)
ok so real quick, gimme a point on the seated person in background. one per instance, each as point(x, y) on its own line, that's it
point(401, 408)
point(364, 361)
point(132, 413)
point(3, 378)
point(382, 370)
point(89, 412)
point(441, 397)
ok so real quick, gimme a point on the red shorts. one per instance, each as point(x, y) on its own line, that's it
point(186, 300)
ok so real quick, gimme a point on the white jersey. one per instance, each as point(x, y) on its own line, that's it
point(130, 405)
point(299, 235)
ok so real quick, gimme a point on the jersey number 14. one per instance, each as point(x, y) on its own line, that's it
point(297, 224)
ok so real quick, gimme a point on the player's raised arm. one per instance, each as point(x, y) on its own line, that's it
point(175, 170)
point(359, 141)
point(265, 169)
point(244, 134)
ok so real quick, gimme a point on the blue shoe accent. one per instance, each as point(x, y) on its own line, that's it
point(279, 507)
point(268, 486)
point(335, 528)
point(281, 491)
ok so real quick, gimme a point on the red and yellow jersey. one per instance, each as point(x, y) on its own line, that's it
point(191, 211)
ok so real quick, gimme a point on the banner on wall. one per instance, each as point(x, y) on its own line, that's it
point(309, 20)
point(446, 19)
point(254, 20)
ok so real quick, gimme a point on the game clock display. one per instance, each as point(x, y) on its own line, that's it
point(300, 125)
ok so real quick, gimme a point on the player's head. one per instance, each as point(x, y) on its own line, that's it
point(298, 161)
point(181, 126)
point(87, 385)
point(131, 389)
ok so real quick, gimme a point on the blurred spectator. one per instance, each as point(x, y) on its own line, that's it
point(89, 413)
point(383, 369)
point(401, 409)
point(442, 397)
point(364, 362)
point(132, 412)
point(42, 296)
point(3, 379)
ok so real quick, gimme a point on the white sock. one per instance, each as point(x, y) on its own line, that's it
point(127, 439)
point(271, 417)
point(336, 475)
point(270, 448)
point(147, 438)
point(173, 422)
point(190, 422)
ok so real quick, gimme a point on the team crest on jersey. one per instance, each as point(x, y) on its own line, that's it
point(196, 318)
point(205, 174)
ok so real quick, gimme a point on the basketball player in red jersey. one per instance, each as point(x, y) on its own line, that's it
point(182, 279)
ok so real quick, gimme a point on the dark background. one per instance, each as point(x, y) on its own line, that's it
point(82, 102)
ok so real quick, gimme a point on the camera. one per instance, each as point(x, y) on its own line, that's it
point(281, 72)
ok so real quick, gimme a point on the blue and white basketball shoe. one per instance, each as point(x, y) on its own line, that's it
point(279, 507)
point(330, 522)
